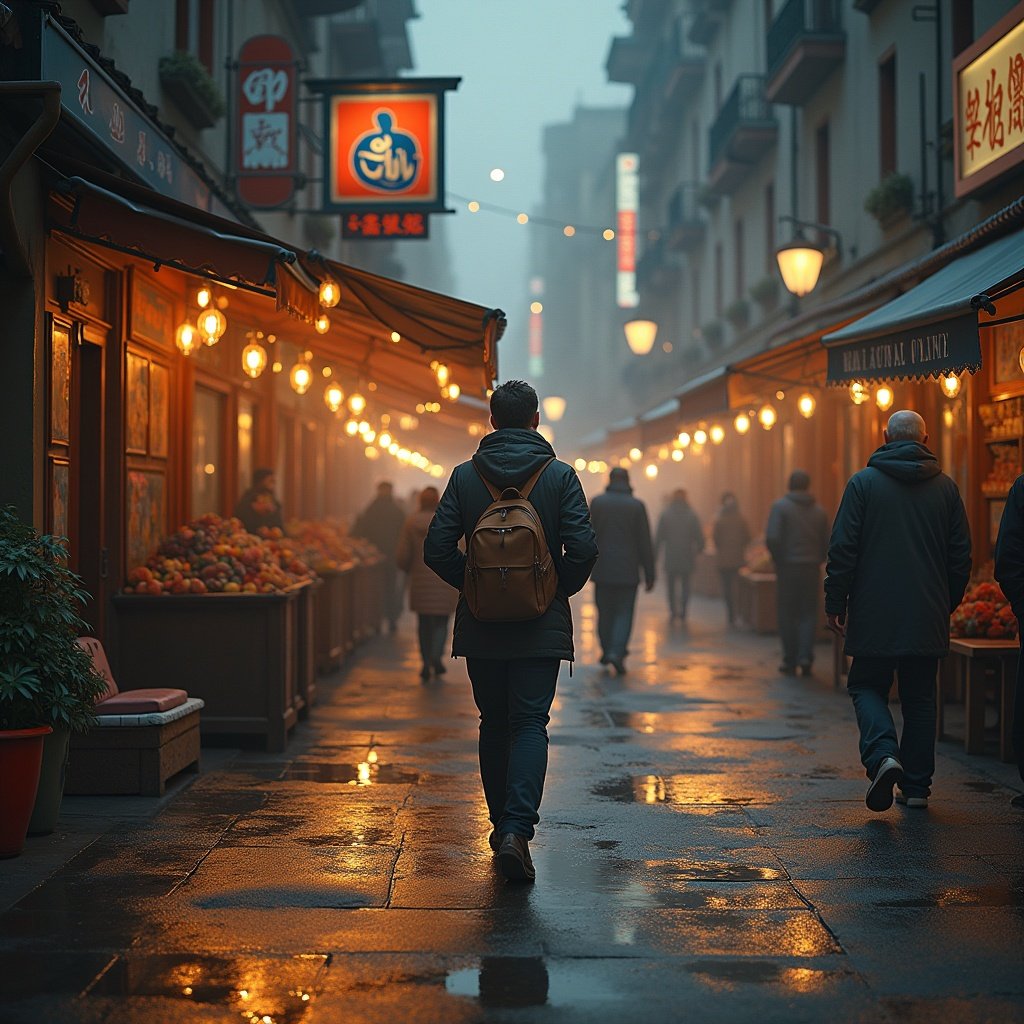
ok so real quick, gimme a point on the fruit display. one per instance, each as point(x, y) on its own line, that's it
point(759, 560)
point(362, 550)
point(216, 555)
point(984, 612)
point(322, 545)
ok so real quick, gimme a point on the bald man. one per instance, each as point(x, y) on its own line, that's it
point(898, 562)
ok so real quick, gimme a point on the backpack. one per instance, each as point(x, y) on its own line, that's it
point(510, 575)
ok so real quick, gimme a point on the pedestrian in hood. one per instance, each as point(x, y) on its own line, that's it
point(898, 563)
point(1010, 576)
point(624, 537)
point(381, 523)
point(731, 535)
point(681, 537)
point(258, 507)
point(430, 597)
point(797, 537)
point(513, 666)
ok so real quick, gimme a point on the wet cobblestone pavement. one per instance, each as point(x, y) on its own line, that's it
point(704, 855)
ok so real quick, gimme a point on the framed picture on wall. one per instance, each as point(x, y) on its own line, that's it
point(152, 312)
point(1007, 341)
point(159, 409)
point(146, 515)
point(60, 487)
point(60, 382)
point(136, 427)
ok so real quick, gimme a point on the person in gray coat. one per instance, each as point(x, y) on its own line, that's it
point(797, 538)
point(898, 563)
point(680, 535)
point(624, 540)
point(731, 535)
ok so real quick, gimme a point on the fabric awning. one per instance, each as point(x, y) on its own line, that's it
point(707, 395)
point(660, 424)
point(930, 330)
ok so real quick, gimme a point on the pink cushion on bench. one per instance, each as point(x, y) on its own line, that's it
point(141, 702)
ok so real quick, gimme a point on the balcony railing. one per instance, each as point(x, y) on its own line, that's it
point(805, 44)
point(686, 225)
point(743, 122)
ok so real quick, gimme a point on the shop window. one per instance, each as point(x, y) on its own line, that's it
point(246, 424)
point(193, 29)
point(207, 452)
point(887, 116)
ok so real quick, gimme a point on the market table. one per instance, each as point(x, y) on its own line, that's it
point(976, 662)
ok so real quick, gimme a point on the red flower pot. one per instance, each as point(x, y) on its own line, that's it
point(21, 754)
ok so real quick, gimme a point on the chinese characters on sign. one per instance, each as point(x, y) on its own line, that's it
point(384, 226)
point(627, 203)
point(989, 116)
point(266, 164)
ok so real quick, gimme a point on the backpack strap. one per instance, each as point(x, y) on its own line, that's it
point(491, 489)
point(528, 487)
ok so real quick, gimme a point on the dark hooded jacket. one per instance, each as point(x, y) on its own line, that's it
point(508, 458)
point(900, 555)
point(381, 523)
point(680, 536)
point(1010, 549)
point(797, 532)
point(624, 536)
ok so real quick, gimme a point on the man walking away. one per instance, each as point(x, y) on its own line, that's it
point(797, 537)
point(1010, 576)
point(513, 666)
point(381, 523)
point(679, 533)
point(731, 535)
point(624, 538)
point(898, 563)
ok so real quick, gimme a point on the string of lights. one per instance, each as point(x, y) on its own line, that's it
point(521, 217)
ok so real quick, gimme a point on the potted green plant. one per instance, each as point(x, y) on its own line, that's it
point(766, 292)
point(890, 199)
point(738, 313)
point(48, 685)
point(185, 79)
point(713, 333)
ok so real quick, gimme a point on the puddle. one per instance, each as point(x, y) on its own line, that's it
point(258, 989)
point(726, 974)
point(510, 982)
point(995, 895)
point(363, 774)
point(678, 789)
point(715, 871)
point(982, 787)
point(607, 844)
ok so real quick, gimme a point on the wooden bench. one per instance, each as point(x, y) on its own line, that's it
point(977, 664)
point(141, 739)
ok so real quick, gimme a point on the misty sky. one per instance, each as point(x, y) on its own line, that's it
point(523, 64)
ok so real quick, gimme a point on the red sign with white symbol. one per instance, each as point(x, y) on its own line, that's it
point(266, 163)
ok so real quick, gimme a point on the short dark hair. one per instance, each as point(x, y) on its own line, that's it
point(799, 480)
point(261, 474)
point(514, 404)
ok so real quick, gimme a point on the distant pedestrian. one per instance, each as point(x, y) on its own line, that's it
point(797, 537)
point(1010, 576)
point(258, 507)
point(624, 539)
point(430, 597)
point(681, 537)
point(513, 665)
point(898, 563)
point(731, 536)
point(381, 523)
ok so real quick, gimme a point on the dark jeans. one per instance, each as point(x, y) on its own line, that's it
point(1018, 718)
point(615, 606)
point(514, 697)
point(869, 683)
point(677, 582)
point(433, 631)
point(729, 578)
point(798, 587)
point(393, 593)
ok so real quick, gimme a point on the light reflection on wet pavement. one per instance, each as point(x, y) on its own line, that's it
point(704, 854)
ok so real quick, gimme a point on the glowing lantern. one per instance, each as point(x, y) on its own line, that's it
point(322, 323)
point(806, 405)
point(950, 384)
point(356, 403)
point(254, 359)
point(742, 423)
point(301, 378)
point(212, 324)
point(717, 434)
point(333, 396)
point(186, 339)
point(858, 392)
point(767, 416)
point(330, 292)
point(884, 397)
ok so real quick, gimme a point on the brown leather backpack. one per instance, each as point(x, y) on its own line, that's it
point(510, 575)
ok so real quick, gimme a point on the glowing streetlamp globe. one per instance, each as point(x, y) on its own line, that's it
point(800, 264)
point(554, 408)
point(640, 335)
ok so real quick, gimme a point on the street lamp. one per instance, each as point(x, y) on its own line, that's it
point(554, 408)
point(640, 335)
point(800, 261)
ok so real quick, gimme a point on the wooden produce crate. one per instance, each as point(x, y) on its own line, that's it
point(706, 580)
point(238, 652)
point(368, 598)
point(332, 630)
point(305, 643)
point(756, 600)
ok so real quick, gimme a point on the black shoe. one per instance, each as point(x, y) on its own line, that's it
point(514, 858)
point(879, 794)
point(494, 841)
point(619, 665)
point(787, 670)
point(604, 659)
point(804, 670)
point(1018, 802)
point(425, 673)
point(439, 669)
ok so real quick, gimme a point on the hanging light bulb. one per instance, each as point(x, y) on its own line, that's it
point(767, 416)
point(742, 423)
point(635, 454)
point(884, 397)
point(356, 403)
point(351, 428)
point(301, 377)
point(396, 337)
point(806, 405)
point(254, 359)
point(330, 292)
point(186, 339)
point(678, 455)
point(452, 392)
point(212, 324)
point(651, 471)
point(385, 439)
point(683, 439)
point(554, 407)
point(203, 297)
point(322, 323)
point(700, 436)
point(950, 384)
point(858, 392)
point(333, 396)
point(442, 373)
point(716, 433)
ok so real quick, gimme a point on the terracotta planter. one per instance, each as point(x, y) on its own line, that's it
point(21, 755)
point(51, 783)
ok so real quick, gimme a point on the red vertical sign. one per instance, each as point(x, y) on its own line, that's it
point(267, 159)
